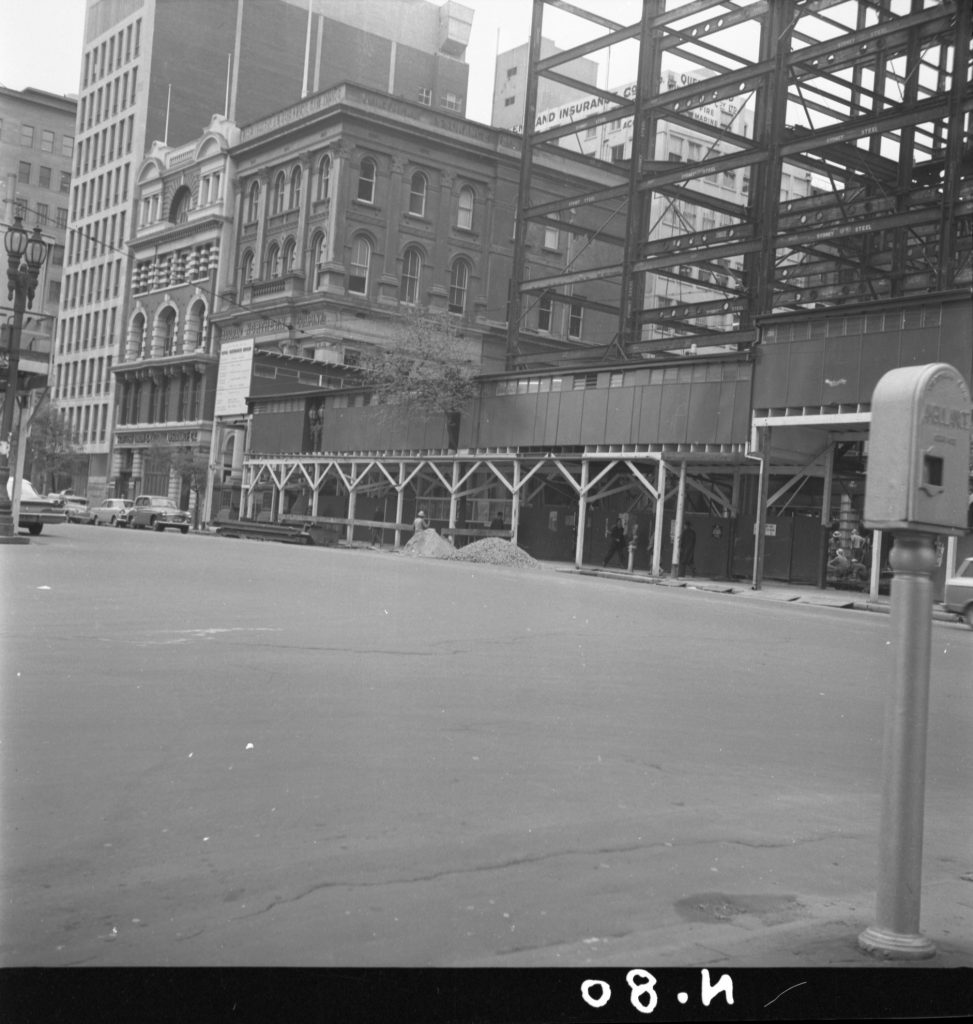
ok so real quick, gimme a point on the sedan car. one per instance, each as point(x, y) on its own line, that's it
point(157, 513)
point(75, 508)
point(959, 592)
point(113, 511)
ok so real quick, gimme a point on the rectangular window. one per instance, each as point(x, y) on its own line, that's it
point(510, 101)
point(618, 154)
point(45, 177)
point(425, 96)
point(545, 309)
point(57, 256)
point(511, 72)
point(42, 212)
point(27, 135)
point(551, 237)
point(575, 318)
point(452, 101)
point(23, 174)
point(65, 181)
point(62, 217)
point(47, 141)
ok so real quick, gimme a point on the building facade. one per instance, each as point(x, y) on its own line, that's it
point(165, 376)
point(36, 151)
point(354, 209)
point(156, 70)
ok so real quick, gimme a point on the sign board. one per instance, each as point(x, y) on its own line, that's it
point(233, 379)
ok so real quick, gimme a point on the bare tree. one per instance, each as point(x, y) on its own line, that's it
point(52, 457)
point(192, 465)
point(428, 367)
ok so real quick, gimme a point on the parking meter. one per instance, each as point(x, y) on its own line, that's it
point(917, 486)
point(919, 451)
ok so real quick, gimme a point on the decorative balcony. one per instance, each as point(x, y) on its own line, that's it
point(287, 286)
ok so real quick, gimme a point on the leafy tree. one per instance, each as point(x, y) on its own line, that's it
point(428, 367)
point(52, 457)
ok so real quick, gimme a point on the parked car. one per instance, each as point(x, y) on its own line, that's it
point(35, 509)
point(113, 511)
point(75, 508)
point(959, 592)
point(157, 513)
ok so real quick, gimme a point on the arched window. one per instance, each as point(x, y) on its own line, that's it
point(273, 260)
point(366, 180)
point(280, 192)
point(464, 209)
point(319, 254)
point(246, 267)
point(324, 178)
point(297, 179)
point(193, 334)
point(459, 283)
point(136, 337)
point(253, 202)
point(361, 257)
point(417, 194)
point(411, 272)
point(289, 256)
point(167, 331)
point(181, 201)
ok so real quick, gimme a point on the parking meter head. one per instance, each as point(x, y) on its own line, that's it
point(919, 451)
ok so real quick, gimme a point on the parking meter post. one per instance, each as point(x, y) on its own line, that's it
point(895, 934)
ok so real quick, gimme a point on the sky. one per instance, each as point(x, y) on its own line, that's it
point(41, 41)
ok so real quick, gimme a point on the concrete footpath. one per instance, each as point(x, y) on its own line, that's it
point(824, 937)
point(770, 590)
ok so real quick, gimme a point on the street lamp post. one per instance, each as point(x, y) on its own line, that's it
point(25, 257)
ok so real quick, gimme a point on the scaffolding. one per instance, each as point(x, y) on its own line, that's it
point(867, 101)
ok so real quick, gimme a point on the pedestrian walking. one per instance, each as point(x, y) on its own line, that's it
point(687, 551)
point(616, 544)
point(378, 517)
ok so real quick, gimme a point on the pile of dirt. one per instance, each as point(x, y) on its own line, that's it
point(494, 551)
point(428, 544)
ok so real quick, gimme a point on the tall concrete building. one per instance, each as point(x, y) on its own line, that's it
point(158, 70)
point(510, 84)
point(36, 149)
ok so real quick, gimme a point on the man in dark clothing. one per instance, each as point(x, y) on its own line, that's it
point(617, 544)
point(687, 551)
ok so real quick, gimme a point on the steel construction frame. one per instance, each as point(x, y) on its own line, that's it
point(885, 94)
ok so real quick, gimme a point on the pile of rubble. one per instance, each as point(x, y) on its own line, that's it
point(489, 551)
point(428, 544)
point(494, 551)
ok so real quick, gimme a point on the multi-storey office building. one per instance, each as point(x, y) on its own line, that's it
point(510, 84)
point(36, 149)
point(156, 70)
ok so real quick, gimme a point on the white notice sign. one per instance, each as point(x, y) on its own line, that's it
point(233, 379)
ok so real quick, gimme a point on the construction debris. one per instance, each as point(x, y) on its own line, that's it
point(495, 551)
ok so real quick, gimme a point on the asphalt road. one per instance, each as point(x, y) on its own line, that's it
point(225, 752)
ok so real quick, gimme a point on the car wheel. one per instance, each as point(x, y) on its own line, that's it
point(968, 615)
point(35, 528)
point(156, 525)
point(184, 529)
